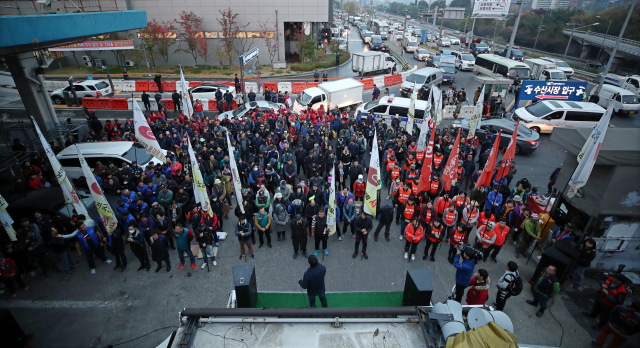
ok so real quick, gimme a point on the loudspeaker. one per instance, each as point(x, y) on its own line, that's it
point(244, 280)
point(11, 333)
point(417, 288)
point(553, 256)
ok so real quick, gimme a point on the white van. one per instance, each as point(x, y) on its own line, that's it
point(544, 116)
point(421, 78)
point(409, 43)
point(387, 107)
point(624, 101)
point(117, 152)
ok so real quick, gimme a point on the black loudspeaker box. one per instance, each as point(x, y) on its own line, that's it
point(417, 288)
point(11, 333)
point(553, 256)
point(244, 280)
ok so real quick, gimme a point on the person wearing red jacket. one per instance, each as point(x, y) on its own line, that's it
point(9, 273)
point(479, 292)
point(414, 233)
point(36, 182)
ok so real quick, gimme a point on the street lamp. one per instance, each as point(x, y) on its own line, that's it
point(179, 49)
point(603, 39)
point(571, 36)
point(109, 77)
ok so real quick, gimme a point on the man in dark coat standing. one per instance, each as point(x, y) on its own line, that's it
point(160, 250)
point(177, 100)
point(363, 226)
point(158, 81)
point(313, 281)
point(146, 101)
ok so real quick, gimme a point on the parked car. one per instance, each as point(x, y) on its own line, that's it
point(527, 141)
point(88, 88)
point(207, 90)
point(596, 65)
point(262, 105)
point(421, 54)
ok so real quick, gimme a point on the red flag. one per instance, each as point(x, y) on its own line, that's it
point(425, 175)
point(487, 172)
point(450, 169)
point(508, 155)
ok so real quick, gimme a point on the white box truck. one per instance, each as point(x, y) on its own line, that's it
point(630, 83)
point(544, 70)
point(409, 44)
point(343, 93)
point(365, 63)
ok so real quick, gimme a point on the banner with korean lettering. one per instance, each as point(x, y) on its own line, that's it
point(107, 216)
point(331, 217)
point(552, 90)
point(233, 166)
point(68, 191)
point(6, 220)
point(474, 122)
point(490, 8)
point(437, 103)
point(373, 179)
point(96, 46)
point(199, 189)
point(187, 107)
point(424, 126)
point(144, 134)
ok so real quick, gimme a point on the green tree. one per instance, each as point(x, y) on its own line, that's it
point(350, 7)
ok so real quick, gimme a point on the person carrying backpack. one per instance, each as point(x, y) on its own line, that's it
point(509, 285)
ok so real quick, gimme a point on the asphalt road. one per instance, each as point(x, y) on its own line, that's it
point(84, 310)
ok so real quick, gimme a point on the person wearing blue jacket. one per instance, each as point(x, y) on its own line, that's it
point(122, 206)
point(150, 192)
point(349, 216)
point(464, 271)
point(494, 200)
point(139, 208)
point(313, 281)
point(128, 197)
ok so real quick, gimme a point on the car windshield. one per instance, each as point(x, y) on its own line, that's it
point(510, 126)
point(369, 34)
point(467, 57)
point(413, 43)
point(137, 153)
point(481, 45)
point(101, 85)
point(304, 98)
point(445, 40)
point(558, 75)
point(629, 99)
point(421, 51)
point(376, 39)
point(538, 109)
point(522, 72)
point(239, 111)
point(371, 104)
point(448, 69)
point(420, 79)
point(516, 52)
point(66, 209)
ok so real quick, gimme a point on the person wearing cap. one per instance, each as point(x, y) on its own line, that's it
point(262, 201)
point(530, 231)
point(89, 241)
point(313, 281)
point(262, 223)
point(207, 239)
point(464, 264)
point(611, 294)
point(280, 220)
point(137, 243)
point(547, 284)
point(299, 236)
point(508, 213)
point(359, 187)
point(156, 208)
point(524, 214)
point(243, 232)
point(284, 191)
point(562, 234)
point(485, 237)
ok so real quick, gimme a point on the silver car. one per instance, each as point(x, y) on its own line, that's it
point(256, 105)
point(421, 54)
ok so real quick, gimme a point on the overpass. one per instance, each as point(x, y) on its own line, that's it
point(585, 40)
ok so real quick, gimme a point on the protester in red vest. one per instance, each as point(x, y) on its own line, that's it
point(501, 231)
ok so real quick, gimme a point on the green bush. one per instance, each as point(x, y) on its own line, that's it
point(330, 62)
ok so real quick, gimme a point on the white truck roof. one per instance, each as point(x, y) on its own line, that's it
point(539, 62)
point(340, 85)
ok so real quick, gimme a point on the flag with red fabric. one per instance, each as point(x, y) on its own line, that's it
point(487, 172)
point(425, 175)
point(452, 163)
point(508, 155)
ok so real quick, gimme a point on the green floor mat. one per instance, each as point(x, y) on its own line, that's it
point(335, 300)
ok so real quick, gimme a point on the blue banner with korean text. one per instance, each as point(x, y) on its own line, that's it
point(552, 90)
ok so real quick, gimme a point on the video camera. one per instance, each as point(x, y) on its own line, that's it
point(473, 253)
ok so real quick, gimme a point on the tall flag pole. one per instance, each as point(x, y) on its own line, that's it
point(437, 98)
point(487, 172)
point(107, 216)
point(331, 218)
point(186, 100)
point(474, 123)
point(237, 184)
point(199, 189)
point(508, 155)
point(69, 192)
point(425, 173)
point(373, 179)
point(6, 220)
point(449, 171)
point(412, 111)
point(583, 171)
point(424, 127)
point(145, 135)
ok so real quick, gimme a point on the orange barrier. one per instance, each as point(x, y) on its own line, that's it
point(194, 83)
point(213, 105)
point(168, 86)
point(398, 79)
point(389, 80)
point(169, 103)
point(273, 86)
point(103, 103)
point(142, 85)
point(368, 83)
point(315, 84)
point(153, 86)
point(298, 87)
point(119, 104)
point(89, 102)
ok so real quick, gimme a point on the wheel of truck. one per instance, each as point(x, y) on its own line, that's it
point(388, 71)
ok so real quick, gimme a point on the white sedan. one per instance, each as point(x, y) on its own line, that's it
point(256, 105)
point(399, 35)
point(421, 54)
point(207, 90)
point(445, 42)
point(454, 40)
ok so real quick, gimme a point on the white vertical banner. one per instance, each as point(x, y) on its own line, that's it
point(437, 99)
point(411, 115)
point(583, 171)
point(145, 135)
point(237, 184)
point(70, 195)
point(187, 108)
point(373, 179)
point(6, 220)
point(199, 189)
point(331, 217)
point(107, 216)
point(474, 122)
point(424, 127)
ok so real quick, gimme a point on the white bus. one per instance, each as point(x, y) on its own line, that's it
point(495, 66)
point(381, 28)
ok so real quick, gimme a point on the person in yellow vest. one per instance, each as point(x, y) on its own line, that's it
point(434, 237)
point(414, 233)
point(409, 212)
point(485, 237)
point(400, 199)
point(449, 218)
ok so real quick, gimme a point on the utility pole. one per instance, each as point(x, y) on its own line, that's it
point(473, 25)
point(615, 48)
point(539, 29)
point(406, 12)
point(277, 35)
point(515, 30)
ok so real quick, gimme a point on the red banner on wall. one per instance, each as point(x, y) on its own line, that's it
point(96, 46)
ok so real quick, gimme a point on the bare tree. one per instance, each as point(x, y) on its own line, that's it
point(229, 32)
point(272, 38)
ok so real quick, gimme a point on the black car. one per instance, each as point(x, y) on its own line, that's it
point(527, 141)
point(477, 48)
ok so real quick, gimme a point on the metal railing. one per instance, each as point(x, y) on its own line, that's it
point(629, 47)
point(400, 59)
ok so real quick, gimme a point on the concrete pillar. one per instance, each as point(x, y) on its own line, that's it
point(22, 67)
point(617, 63)
point(584, 53)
